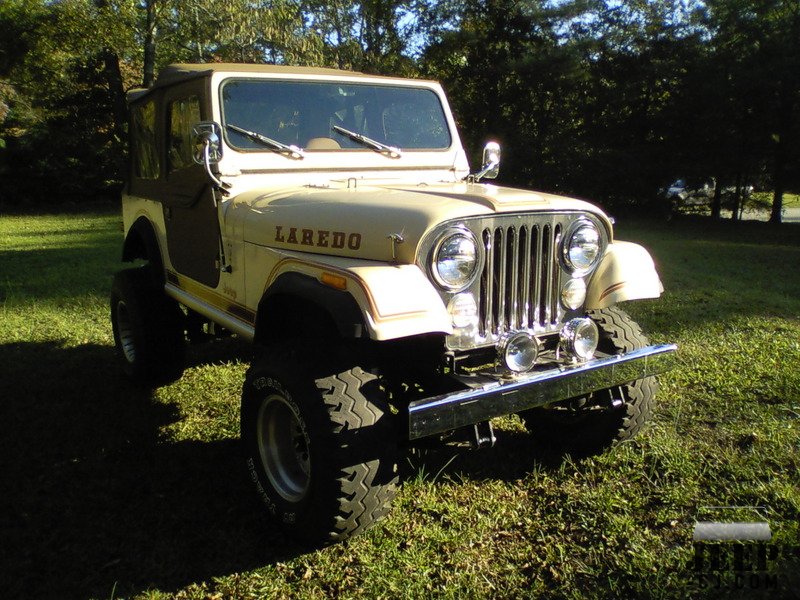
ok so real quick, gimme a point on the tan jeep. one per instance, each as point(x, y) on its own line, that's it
point(331, 218)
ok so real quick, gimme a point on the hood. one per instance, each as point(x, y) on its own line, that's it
point(361, 221)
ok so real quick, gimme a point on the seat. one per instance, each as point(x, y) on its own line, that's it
point(322, 143)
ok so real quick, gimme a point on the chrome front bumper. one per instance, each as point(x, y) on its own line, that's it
point(495, 399)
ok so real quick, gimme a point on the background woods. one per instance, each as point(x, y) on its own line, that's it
point(597, 98)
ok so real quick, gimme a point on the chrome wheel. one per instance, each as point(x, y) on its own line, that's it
point(125, 331)
point(283, 447)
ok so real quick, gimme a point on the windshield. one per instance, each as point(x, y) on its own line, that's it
point(332, 116)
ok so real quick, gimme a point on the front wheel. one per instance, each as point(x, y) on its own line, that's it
point(321, 450)
point(607, 417)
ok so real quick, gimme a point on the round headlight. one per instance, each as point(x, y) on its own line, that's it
point(455, 260)
point(582, 247)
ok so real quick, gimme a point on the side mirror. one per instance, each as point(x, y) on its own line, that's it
point(206, 135)
point(491, 162)
point(208, 150)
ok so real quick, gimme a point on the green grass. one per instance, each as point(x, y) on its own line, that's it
point(114, 491)
point(764, 200)
point(791, 200)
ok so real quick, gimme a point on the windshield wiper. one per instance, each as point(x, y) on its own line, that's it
point(390, 151)
point(291, 150)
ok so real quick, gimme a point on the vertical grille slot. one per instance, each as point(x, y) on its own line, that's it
point(536, 276)
point(512, 278)
point(489, 310)
point(545, 276)
point(524, 277)
point(500, 280)
point(487, 285)
point(549, 297)
point(555, 291)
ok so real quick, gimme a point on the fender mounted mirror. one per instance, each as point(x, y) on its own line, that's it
point(491, 163)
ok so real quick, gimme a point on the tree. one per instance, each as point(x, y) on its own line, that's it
point(608, 100)
point(66, 119)
point(512, 79)
point(755, 45)
point(368, 35)
point(256, 31)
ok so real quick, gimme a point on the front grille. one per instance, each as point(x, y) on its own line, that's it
point(519, 285)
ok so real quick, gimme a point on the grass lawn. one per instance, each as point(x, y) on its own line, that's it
point(111, 491)
point(764, 200)
point(791, 200)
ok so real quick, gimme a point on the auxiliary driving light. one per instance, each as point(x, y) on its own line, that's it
point(519, 351)
point(463, 311)
point(573, 294)
point(579, 337)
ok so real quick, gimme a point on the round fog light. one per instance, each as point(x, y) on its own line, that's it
point(579, 337)
point(519, 351)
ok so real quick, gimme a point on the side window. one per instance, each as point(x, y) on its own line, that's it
point(145, 150)
point(183, 115)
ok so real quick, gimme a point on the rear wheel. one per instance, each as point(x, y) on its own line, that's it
point(148, 328)
point(320, 446)
point(605, 418)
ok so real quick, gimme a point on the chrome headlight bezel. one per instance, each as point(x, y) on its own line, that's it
point(571, 260)
point(454, 284)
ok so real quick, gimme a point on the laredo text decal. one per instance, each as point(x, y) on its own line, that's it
point(317, 237)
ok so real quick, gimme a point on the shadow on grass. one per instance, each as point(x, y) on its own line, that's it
point(219, 351)
point(48, 273)
point(95, 502)
point(513, 457)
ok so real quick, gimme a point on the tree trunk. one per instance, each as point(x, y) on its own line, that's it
point(735, 204)
point(781, 150)
point(790, 85)
point(778, 181)
point(116, 90)
point(716, 203)
point(151, 26)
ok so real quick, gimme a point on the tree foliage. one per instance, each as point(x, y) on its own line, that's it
point(600, 99)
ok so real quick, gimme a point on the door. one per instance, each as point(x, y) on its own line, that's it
point(190, 213)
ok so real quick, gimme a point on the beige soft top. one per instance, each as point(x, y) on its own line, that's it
point(178, 72)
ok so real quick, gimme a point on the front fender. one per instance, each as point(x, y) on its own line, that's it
point(626, 272)
point(400, 302)
point(395, 301)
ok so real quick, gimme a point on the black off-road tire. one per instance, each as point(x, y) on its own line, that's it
point(592, 424)
point(148, 328)
point(320, 446)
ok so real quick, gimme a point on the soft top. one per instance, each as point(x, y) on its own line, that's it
point(179, 72)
